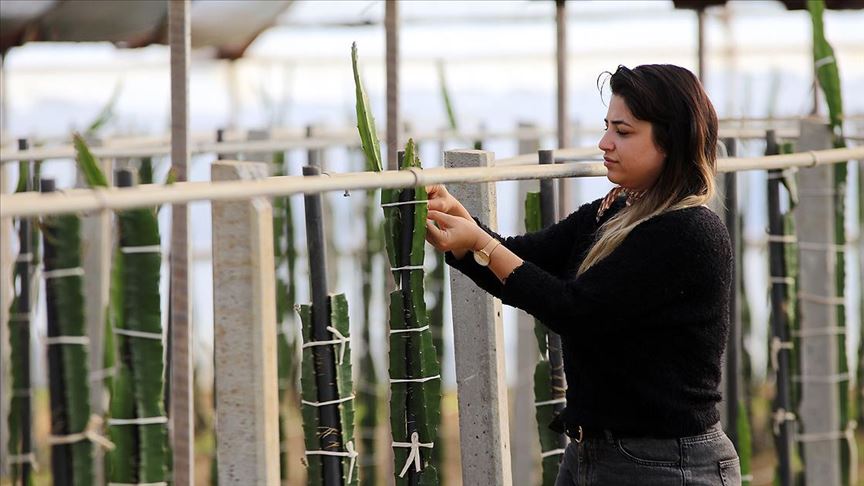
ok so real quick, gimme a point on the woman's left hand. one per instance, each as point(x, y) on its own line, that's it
point(454, 233)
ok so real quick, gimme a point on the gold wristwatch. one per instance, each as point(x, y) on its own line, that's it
point(483, 256)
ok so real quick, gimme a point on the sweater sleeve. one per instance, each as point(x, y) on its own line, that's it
point(547, 248)
point(667, 261)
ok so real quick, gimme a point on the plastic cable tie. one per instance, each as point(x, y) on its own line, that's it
point(776, 346)
point(156, 336)
point(97, 375)
point(161, 483)
point(408, 267)
point(28, 458)
point(19, 317)
point(821, 299)
point(414, 380)
point(550, 402)
point(350, 453)
point(78, 340)
point(823, 62)
point(339, 339)
point(330, 402)
point(404, 203)
point(553, 452)
point(137, 421)
point(819, 331)
point(815, 156)
point(782, 238)
point(779, 417)
point(90, 432)
point(838, 378)
point(412, 329)
point(22, 392)
point(126, 250)
point(24, 258)
point(802, 245)
point(63, 272)
point(414, 454)
point(782, 280)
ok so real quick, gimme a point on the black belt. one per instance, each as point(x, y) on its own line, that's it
point(580, 433)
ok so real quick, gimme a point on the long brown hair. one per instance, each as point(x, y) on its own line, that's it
point(684, 127)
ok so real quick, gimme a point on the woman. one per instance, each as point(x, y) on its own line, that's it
point(637, 284)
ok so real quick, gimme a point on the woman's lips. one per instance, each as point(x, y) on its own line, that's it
point(607, 161)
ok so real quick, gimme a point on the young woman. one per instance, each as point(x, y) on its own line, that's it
point(636, 283)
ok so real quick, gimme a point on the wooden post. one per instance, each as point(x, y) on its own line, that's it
point(525, 454)
point(479, 349)
point(819, 410)
point(180, 332)
point(244, 319)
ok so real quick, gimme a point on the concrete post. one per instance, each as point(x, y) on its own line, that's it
point(524, 439)
point(819, 411)
point(479, 345)
point(244, 301)
point(6, 295)
point(96, 246)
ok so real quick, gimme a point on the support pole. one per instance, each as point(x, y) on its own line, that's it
point(391, 27)
point(562, 123)
point(180, 332)
point(779, 322)
point(479, 348)
point(244, 312)
point(525, 454)
point(733, 345)
point(325, 362)
point(700, 44)
point(819, 410)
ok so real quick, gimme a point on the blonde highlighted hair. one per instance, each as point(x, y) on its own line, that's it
point(684, 127)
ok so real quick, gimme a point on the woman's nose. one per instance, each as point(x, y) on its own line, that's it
point(605, 144)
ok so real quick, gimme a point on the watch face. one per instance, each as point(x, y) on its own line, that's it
point(481, 258)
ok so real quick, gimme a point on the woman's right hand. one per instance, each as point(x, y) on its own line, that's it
point(443, 201)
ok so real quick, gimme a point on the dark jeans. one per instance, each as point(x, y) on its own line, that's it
point(708, 459)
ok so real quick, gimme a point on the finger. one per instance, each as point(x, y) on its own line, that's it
point(433, 189)
point(444, 218)
point(434, 235)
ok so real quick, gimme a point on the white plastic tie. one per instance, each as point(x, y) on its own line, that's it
point(90, 432)
point(810, 246)
point(782, 280)
point(137, 421)
point(815, 156)
point(350, 453)
point(24, 258)
point(411, 329)
point(414, 380)
point(776, 346)
point(156, 336)
point(330, 402)
point(77, 340)
point(19, 317)
point(127, 250)
point(782, 239)
point(779, 417)
point(339, 339)
point(29, 458)
point(824, 62)
point(98, 375)
point(414, 454)
point(819, 331)
point(63, 272)
point(553, 452)
point(408, 267)
point(161, 483)
point(838, 378)
point(403, 203)
point(550, 402)
point(821, 299)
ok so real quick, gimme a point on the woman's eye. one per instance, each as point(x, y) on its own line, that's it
point(623, 134)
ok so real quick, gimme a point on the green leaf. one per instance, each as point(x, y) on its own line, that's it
point(445, 96)
point(106, 113)
point(365, 121)
point(88, 165)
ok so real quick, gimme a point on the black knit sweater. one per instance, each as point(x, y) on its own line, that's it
point(643, 330)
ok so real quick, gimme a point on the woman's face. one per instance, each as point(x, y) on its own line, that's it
point(631, 157)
